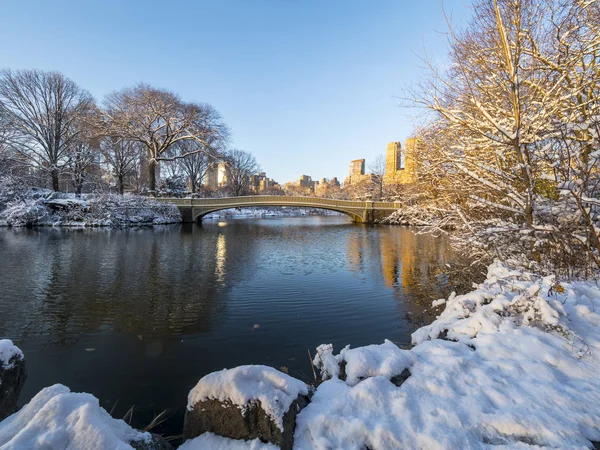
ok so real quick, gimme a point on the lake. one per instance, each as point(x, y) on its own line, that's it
point(137, 316)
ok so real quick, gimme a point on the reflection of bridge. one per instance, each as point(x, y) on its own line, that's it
point(193, 209)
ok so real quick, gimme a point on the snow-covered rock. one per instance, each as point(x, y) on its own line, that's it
point(355, 365)
point(57, 419)
point(210, 441)
point(246, 402)
point(12, 377)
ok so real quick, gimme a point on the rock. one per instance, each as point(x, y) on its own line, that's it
point(12, 377)
point(247, 402)
point(343, 370)
point(399, 379)
point(228, 420)
point(157, 443)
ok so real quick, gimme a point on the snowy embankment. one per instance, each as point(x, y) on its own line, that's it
point(419, 215)
point(244, 213)
point(41, 207)
point(517, 367)
point(512, 364)
point(57, 418)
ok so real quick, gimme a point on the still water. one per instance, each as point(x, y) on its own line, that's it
point(137, 316)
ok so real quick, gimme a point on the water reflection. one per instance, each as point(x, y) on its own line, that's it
point(139, 315)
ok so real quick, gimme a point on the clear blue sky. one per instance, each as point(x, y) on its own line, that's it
point(304, 85)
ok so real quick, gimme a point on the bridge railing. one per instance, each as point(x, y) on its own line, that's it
point(279, 199)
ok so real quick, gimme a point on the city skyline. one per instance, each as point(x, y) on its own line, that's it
point(318, 82)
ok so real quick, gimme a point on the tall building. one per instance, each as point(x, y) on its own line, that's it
point(356, 173)
point(216, 176)
point(325, 186)
point(306, 181)
point(399, 162)
point(261, 183)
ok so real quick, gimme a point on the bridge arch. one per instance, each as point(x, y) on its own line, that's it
point(355, 217)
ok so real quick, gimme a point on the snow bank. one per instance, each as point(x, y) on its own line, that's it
point(421, 215)
point(46, 208)
point(210, 441)
point(59, 419)
point(269, 212)
point(517, 368)
point(245, 384)
point(7, 351)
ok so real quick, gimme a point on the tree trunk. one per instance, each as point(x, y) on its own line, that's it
point(120, 184)
point(152, 176)
point(54, 175)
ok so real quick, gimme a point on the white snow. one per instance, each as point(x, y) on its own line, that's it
point(7, 351)
point(58, 419)
point(244, 213)
point(521, 372)
point(210, 441)
point(385, 360)
point(37, 208)
point(438, 302)
point(274, 390)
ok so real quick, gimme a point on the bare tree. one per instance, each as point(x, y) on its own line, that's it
point(122, 156)
point(41, 109)
point(159, 119)
point(240, 166)
point(195, 165)
point(377, 170)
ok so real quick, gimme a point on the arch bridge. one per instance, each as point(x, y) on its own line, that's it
point(193, 209)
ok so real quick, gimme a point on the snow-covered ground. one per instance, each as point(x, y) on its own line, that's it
point(514, 364)
point(213, 442)
point(517, 367)
point(57, 418)
point(242, 213)
point(42, 207)
point(420, 215)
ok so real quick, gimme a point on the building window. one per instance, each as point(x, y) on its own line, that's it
point(400, 159)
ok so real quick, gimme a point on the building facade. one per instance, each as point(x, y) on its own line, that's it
point(399, 162)
point(356, 173)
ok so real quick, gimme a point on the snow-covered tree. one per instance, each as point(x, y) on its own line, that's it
point(40, 110)
point(159, 119)
point(512, 148)
point(240, 166)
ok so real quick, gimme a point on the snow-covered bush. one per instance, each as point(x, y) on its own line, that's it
point(511, 152)
point(33, 207)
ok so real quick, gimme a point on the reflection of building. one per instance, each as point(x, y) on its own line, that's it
point(399, 162)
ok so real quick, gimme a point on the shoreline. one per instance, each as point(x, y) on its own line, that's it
point(504, 353)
